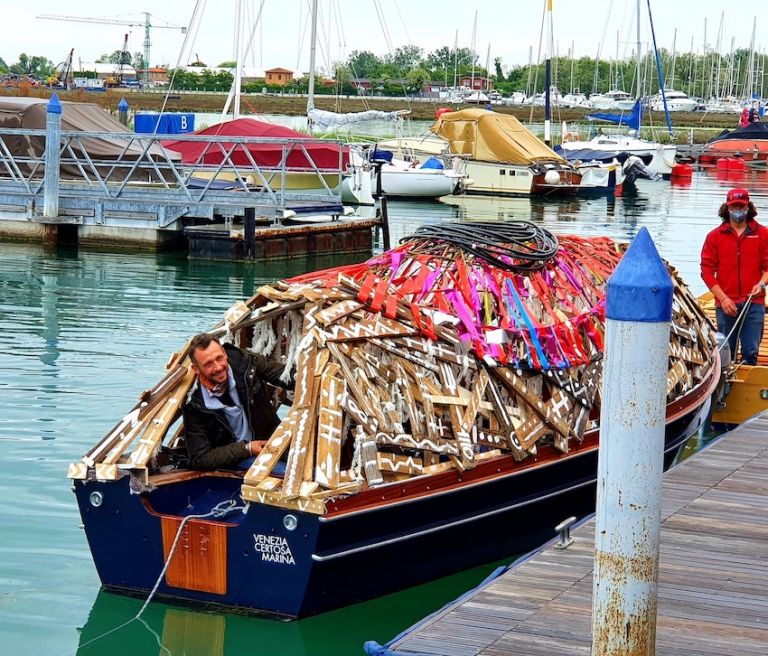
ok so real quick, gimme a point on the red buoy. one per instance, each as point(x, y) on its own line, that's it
point(735, 164)
point(682, 171)
point(442, 110)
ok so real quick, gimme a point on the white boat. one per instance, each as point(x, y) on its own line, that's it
point(662, 156)
point(723, 106)
point(417, 179)
point(555, 99)
point(677, 101)
point(477, 98)
point(574, 99)
point(663, 160)
point(614, 99)
point(516, 98)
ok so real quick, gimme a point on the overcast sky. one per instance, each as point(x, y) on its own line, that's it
point(511, 27)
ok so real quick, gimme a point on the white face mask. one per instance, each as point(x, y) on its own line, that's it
point(738, 215)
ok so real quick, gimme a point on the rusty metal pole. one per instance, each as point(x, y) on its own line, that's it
point(52, 158)
point(631, 455)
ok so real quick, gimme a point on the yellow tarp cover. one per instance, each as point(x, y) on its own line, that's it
point(490, 137)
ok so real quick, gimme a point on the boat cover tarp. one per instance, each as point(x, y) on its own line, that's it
point(631, 120)
point(432, 163)
point(490, 137)
point(30, 114)
point(593, 155)
point(323, 154)
point(322, 119)
point(751, 131)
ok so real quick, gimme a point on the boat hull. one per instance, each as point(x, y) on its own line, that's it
point(498, 179)
point(663, 160)
point(748, 149)
point(366, 545)
point(418, 183)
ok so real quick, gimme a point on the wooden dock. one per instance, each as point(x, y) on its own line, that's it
point(713, 582)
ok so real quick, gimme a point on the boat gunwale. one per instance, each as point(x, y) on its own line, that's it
point(453, 481)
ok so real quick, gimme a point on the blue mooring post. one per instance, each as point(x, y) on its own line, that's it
point(631, 455)
point(52, 158)
point(122, 111)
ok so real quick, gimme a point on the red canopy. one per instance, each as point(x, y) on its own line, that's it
point(323, 154)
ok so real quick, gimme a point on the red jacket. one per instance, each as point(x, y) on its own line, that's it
point(735, 262)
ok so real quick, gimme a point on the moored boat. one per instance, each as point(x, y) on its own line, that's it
point(446, 413)
point(503, 157)
point(744, 389)
point(749, 143)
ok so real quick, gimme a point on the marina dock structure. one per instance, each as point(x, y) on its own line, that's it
point(713, 597)
point(108, 187)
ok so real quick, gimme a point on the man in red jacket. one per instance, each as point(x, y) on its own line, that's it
point(734, 265)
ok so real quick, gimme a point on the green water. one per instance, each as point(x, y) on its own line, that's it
point(82, 333)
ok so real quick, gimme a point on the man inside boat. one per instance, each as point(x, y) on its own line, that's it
point(227, 414)
point(734, 265)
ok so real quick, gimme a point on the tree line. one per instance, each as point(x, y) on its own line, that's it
point(409, 70)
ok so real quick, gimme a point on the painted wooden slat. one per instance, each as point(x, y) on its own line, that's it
point(273, 450)
point(330, 423)
point(149, 442)
point(391, 462)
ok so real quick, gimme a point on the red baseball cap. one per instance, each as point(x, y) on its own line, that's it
point(737, 197)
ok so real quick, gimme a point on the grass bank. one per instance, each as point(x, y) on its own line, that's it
point(695, 126)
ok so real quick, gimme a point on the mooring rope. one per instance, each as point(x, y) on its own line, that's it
point(220, 510)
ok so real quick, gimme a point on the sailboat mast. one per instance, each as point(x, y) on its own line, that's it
point(750, 82)
point(488, 68)
point(312, 49)
point(238, 57)
point(548, 80)
point(474, 54)
point(639, 93)
point(674, 58)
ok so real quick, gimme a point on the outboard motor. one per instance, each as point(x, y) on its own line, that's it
point(634, 168)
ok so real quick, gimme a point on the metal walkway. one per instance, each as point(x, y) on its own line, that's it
point(128, 180)
point(713, 590)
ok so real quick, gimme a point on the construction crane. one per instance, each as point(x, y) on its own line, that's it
point(147, 24)
point(117, 79)
point(62, 74)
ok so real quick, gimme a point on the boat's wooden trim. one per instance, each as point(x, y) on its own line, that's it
point(505, 465)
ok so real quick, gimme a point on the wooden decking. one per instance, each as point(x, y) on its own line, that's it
point(713, 584)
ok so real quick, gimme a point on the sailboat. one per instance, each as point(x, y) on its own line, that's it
point(663, 155)
point(387, 175)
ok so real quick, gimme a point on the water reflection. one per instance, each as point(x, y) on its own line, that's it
point(180, 631)
point(83, 332)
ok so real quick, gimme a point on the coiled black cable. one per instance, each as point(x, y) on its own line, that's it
point(528, 246)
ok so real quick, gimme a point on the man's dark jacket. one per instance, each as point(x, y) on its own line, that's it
point(210, 441)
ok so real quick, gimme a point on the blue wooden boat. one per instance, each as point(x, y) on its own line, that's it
point(439, 421)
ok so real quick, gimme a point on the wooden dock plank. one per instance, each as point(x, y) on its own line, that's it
point(713, 567)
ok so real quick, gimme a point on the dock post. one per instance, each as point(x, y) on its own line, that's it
point(249, 232)
point(631, 454)
point(384, 223)
point(52, 158)
point(122, 111)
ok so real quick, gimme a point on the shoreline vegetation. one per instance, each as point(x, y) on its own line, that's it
point(695, 127)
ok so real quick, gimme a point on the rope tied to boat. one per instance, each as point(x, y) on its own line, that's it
point(220, 510)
